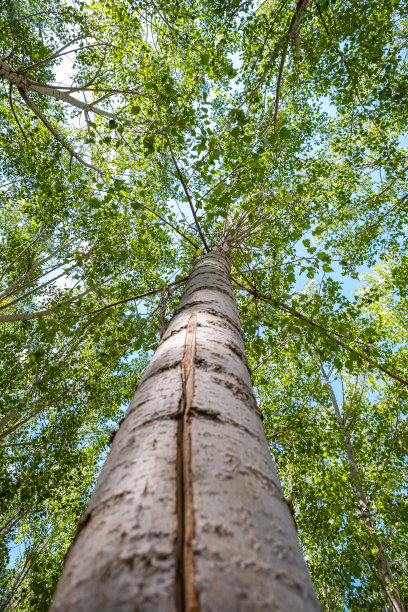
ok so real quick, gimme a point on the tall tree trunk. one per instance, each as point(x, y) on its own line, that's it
point(383, 566)
point(188, 513)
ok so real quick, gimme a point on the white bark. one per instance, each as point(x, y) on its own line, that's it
point(188, 513)
point(21, 81)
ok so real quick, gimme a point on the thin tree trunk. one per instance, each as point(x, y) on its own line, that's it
point(188, 513)
point(382, 563)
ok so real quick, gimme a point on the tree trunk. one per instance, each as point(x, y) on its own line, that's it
point(386, 576)
point(188, 513)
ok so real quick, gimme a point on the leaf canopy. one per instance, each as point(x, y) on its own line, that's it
point(137, 135)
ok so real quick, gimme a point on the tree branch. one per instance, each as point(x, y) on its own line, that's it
point(183, 184)
point(37, 264)
point(278, 85)
point(162, 219)
point(28, 316)
point(134, 297)
point(22, 82)
point(51, 57)
point(11, 264)
point(327, 333)
point(54, 132)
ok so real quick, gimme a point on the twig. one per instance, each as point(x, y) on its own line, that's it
point(269, 355)
point(11, 264)
point(50, 57)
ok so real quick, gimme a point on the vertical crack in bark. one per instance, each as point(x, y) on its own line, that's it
point(187, 600)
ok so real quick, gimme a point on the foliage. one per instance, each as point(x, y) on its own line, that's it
point(137, 135)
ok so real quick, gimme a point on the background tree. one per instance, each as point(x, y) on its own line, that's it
point(280, 123)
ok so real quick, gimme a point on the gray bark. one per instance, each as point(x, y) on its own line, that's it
point(188, 512)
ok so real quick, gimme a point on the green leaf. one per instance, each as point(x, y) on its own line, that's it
point(323, 257)
point(272, 139)
point(284, 133)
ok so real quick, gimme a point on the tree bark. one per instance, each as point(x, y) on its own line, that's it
point(21, 81)
point(188, 512)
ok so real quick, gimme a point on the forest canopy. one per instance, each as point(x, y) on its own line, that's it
point(135, 136)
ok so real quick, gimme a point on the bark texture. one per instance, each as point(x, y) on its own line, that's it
point(188, 513)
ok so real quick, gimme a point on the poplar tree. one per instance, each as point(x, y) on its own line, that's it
point(189, 193)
